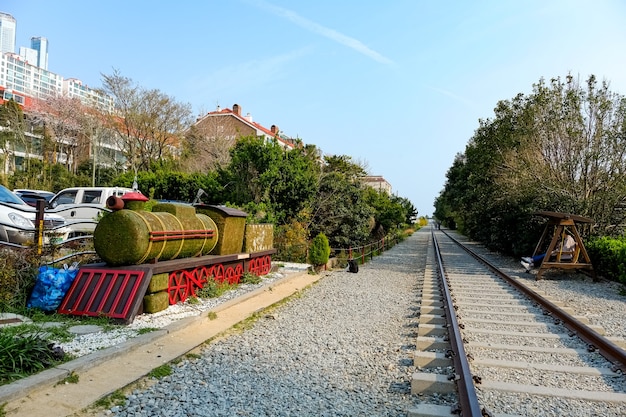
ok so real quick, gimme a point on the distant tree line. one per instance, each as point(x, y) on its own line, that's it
point(561, 148)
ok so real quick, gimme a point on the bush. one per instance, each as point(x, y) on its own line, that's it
point(171, 185)
point(608, 256)
point(22, 355)
point(18, 273)
point(290, 242)
point(342, 259)
point(319, 252)
point(250, 278)
point(213, 289)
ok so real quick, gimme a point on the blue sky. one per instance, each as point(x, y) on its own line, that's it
point(398, 85)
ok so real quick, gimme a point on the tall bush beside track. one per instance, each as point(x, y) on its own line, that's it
point(555, 149)
point(608, 256)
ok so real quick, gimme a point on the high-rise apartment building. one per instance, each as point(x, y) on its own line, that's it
point(7, 33)
point(74, 88)
point(29, 54)
point(21, 76)
point(27, 75)
point(40, 44)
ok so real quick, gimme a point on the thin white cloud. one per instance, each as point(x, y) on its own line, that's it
point(331, 34)
point(453, 96)
point(246, 76)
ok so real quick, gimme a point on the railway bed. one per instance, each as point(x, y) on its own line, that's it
point(486, 348)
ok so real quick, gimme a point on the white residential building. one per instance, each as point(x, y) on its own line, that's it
point(7, 32)
point(377, 182)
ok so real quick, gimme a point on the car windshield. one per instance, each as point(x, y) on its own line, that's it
point(7, 196)
point(38, 193)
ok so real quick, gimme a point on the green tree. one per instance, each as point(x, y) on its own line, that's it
point(12, 136)
point(389, 211)
point(339, 209)
point(573, 158)
point(294, 189)
point(561, 148)
point(252, 170)
point(263, 172)
point(59, 177)
point(319, 252)
point(409, 209)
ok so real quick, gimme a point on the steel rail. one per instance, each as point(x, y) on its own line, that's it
point(468, 398)
point(608, 349)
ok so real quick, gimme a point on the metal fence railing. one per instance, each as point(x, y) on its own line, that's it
point(359, 253)
point(363, 253)
point(51, 237)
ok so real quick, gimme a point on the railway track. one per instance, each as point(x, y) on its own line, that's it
point(489, 346)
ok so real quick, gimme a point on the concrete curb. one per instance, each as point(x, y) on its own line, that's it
point(105, 371)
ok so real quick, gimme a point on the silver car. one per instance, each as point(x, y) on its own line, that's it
point(17, 222)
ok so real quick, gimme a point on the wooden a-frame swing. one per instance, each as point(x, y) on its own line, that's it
point(555, 256)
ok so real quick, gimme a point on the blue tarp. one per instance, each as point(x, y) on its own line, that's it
point(51, 286)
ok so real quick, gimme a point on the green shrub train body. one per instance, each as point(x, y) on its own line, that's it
point(170, 231)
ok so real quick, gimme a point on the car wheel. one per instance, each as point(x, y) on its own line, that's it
point(3, 235)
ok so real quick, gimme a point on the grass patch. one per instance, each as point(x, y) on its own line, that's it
point(161, 371)
point(25, 354)
point(116, 398)
point(72, 378)
point(193, 356)
point(250, 278)
point(213, 289)
point(56, 333)
point(147, 330)
point(38, 316)
point(211, 315)
point(247, 323)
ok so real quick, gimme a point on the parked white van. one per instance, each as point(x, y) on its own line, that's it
point(82, 206)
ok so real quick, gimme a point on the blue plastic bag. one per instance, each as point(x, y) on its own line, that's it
point(51, 286)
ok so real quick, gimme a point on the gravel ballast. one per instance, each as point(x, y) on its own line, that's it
point(343, 348)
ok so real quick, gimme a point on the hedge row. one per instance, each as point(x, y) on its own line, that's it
point(608, 256)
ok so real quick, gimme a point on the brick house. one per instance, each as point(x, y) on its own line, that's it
point(229, 124)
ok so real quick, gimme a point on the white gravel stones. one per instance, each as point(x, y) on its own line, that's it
point(344, 348)
point(86, 343)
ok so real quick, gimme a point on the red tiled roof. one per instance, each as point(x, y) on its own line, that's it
point(256, 125)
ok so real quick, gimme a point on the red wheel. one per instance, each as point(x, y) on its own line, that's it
point(178, 288)
point(267, 263)
point(231, 277)
point(252, 266)
point(218, 273)
point(197, 278)
point(261, 266)
point(239, 272)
